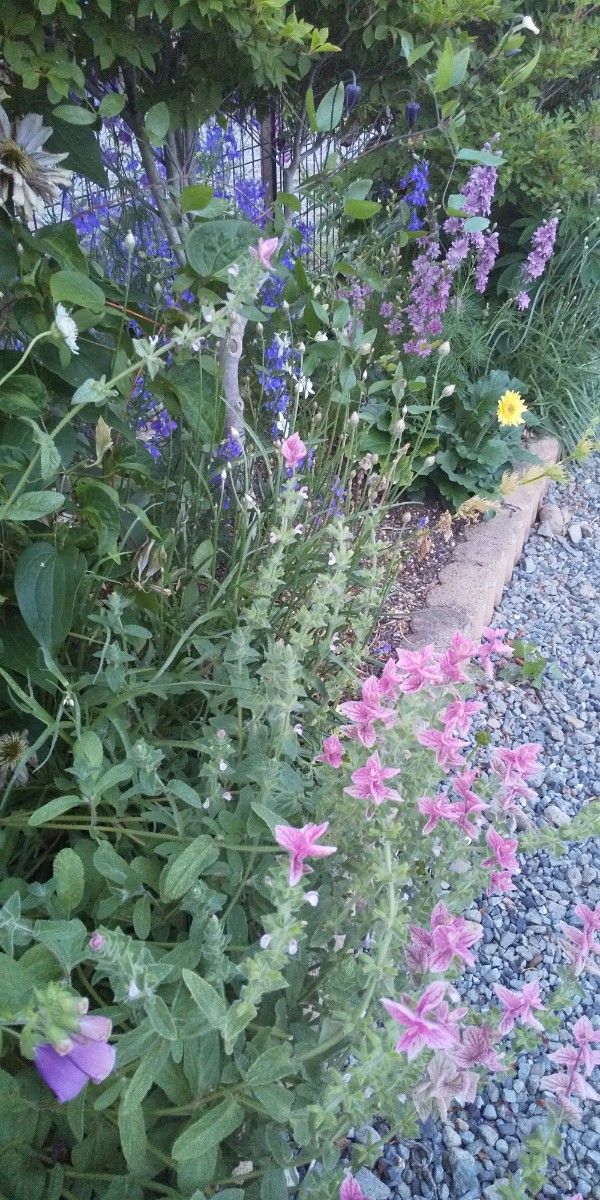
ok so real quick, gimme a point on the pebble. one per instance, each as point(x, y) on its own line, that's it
point(550, 602)
point(371, 1185)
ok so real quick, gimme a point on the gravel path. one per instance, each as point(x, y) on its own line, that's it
point(554, 602)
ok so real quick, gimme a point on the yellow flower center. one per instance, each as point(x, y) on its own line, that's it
point(13, 156)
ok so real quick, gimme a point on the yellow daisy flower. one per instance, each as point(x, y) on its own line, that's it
point(511, 409)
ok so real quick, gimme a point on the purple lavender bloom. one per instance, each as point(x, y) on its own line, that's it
point(479, 190)
point(386, 309)
point(522, 301)
point(542, 247)
point(412, 110)
point(88, 1058)
point(430, 286)
point(487, 246)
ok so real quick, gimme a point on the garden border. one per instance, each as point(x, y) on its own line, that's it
point(470, 586)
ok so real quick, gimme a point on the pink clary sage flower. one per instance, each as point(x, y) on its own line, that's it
point(477, 1048)
point(418, 669)
point(369, 782)
point(448, 938)
point(513, 767)
point(85, 1056)
point(294, 451)
point(429, 1025)
point(457, 716)
point(492, 643)
point(580, 944)
point(458, 655)
point(572, 1082)
point(518, 1006)
point(364, 712)
point(582, 1054)
point(302, 843)
point(502, 861)
point(332, 752)
point(265, 251)
point(350, 1189)
point(446, 748)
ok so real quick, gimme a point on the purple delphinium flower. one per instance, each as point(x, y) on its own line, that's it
point(281, 368)
point(249, 195)
point(351, 95)
point(487, 248)
point(229, 449)
point(479, 190)
point(542, 247)
point(88, 1057)
point(522, 301)
point(416, 188)
point(412, 110)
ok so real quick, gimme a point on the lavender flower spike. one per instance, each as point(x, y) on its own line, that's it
point(542, 247)
point(89, 1057)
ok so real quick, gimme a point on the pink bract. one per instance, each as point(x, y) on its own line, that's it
point(302, 843)
point(332, 752)
point(264, 251)
point(294, 451)
point(518, 1006)
point(369, 781)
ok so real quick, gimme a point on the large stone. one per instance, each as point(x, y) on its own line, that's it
point(371, 1186)
point(556, 816)
point(465, 1171)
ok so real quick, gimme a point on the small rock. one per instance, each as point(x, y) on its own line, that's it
point(556, 816)
point(551, 515)
point(587, 590)
point(370, 1186)
point(465, 1171)
point(367, 1136)
point(574, 533)
point(489, 1134)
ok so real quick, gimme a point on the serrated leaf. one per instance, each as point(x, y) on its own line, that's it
point(32, 506)
point(209, 1131)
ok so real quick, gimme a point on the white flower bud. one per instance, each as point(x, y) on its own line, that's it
point(129, 242)
point(227, 795)
point(353, 419)
point(429, 461)
point(312, 898)
point(292, 946)
point(265, 941)
point(285, 306)
point(20, 248)
point(449, 390)
point(444, 349)
point(332, 559)
point(222, 765)
point(399, 427)
point(133, 991)
point(233, 270)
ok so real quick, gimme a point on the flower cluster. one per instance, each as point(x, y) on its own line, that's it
point(542, 249)
point(416, 192)
point(277, 376)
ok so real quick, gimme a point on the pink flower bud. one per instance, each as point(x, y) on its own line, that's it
point(96, 942)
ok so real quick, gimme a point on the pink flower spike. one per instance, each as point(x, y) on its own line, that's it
point(446, 748)
point(390, 680)
point(493, 643)
point(350, 1189)
point(503, 852)
point(332, 753)
point(294, 451)
point(419, 668)
point(265, 251)
point(518, 1006)
point(453, 940)
point(369, 782)
point(456, 658)
point(302, 843)
point(457, 716)
point(423, 1030)
point(589, 917)
point(436, 809)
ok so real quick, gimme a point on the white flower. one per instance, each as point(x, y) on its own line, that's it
point(312, 898)
point(129, 243)
point(227, 795)
point(321, 336)
point(354, 418)
point(298, 730)
point(449, 390)
point(67, 327)
point(304, 387)
point(223, 765)
point(29, 176)
point(233, 270)
point(444, 349)
point(332, 559)
point(529, 23)
point(133, 991)
point(265, 941)
point(292, 946)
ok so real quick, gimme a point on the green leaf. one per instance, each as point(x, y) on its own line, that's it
point(239, 1016)
point(24, 396)
point(443, 75)
point(112, 104)
point(50, 460)
point(311, 111)
point(329, 112)
point(485, 158)
point(210, 1130)
point(16, 987)
point(273, 1184)
point(361, 210)
point(521, 73)
point(270, 1066)
point(460, 66)
point(99, 504)
point(185, 870)
point(134, 1142)
point(359, 189)
point(54, 808)
point(73, 287)
point(196, 197)
point(65, 939)
point(157, 123)
point(74, 114)
point(287, 200)
point(83, 146)
point(32, 506)
point(211, 1004)
point(69, 876)
point(213, 245)
point(455, 205)
point(46, 582)
point(160, 1018)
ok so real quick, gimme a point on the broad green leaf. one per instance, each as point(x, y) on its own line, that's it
point(50, 460)
point(455, 205)
point(61, 243)
point(112, 104)
point(419, 52)
point(67, 940)
point(359, 189)
point(196, 197)
point(288, 201)
point(239, 1016)
point(134, 1142)
point(270, 1066)
point(24, 396)
point(74, 114)
point(16, 986)
point(54, 808)
point(443, 75)
point(213, 245)
point(99, 504)
point(329, 112)
point(210, 1130)
point(46, 582)
point(361, 210)
point(157, 123)
point(185, 870)
point(69, 877)
point(460, 66)
point(72, 287)
point(273, 1184)
point(32, 506)
point(160, 1018)
point(211, 1004)
point(485, 158)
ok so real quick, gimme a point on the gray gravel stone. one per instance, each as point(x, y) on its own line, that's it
point(371, 1186)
